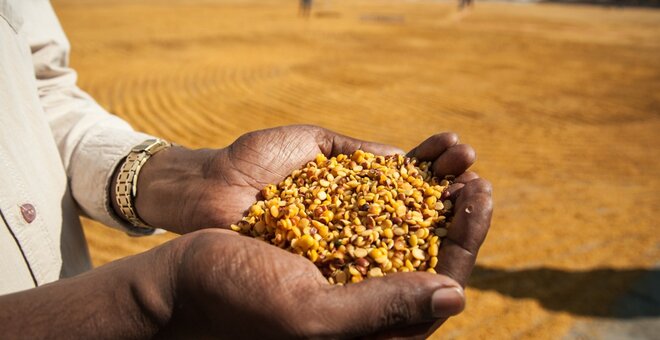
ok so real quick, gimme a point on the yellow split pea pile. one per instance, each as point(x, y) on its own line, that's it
point(356, 216)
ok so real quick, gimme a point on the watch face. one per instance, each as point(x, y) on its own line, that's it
point(151, 146)
point(145, 145)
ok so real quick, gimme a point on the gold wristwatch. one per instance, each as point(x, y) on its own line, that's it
point(127, 178)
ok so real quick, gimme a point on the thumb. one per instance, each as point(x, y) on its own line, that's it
point(394, 301)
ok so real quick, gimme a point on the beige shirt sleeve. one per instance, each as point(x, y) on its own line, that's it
point(90, 140)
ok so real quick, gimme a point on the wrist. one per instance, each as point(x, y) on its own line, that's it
point(129, 298)
point(126, 178)
point(167, 185)
point(153, 286)
point(198, 258)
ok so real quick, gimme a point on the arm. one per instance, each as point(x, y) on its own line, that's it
point(215, 283)
point(91, 141)
point(130, 298)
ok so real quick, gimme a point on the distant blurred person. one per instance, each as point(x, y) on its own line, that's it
point(463, 4)
point(305, 8)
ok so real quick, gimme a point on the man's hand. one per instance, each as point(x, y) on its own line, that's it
point(231, 179)
point(239, 287)
point(217, 284)
point(473, 204)
point(184, 190)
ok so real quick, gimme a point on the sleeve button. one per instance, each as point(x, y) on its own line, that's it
point(29, 212)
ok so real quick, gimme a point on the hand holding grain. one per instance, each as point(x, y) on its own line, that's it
point(232, 286)
point(240, 287)
point(184, 190)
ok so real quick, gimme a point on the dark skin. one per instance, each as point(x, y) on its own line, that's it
point(253, 161)
point(214, 283)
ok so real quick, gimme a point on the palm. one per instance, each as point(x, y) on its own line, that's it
point(288, 297)
point(264, 157)
point(255, 160)
point(268, 156)
point(271, 155)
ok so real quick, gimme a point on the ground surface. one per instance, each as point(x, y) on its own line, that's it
point(561, 102)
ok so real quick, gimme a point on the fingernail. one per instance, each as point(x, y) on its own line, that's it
point(447, 301)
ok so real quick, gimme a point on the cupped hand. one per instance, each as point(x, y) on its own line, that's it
point(227, 181)
point(184, 190)
point(231, 286)
point(473, 203)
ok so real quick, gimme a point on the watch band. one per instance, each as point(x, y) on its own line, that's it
point(127, 178)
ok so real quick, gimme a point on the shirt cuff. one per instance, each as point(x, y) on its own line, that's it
point(97, 156)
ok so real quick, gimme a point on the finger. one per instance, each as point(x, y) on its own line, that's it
point(466, 177)
point(454, 189)
point(434, 146)
point(396, 300)
point(458, 251)
point(334, 144)
point(454, 161)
